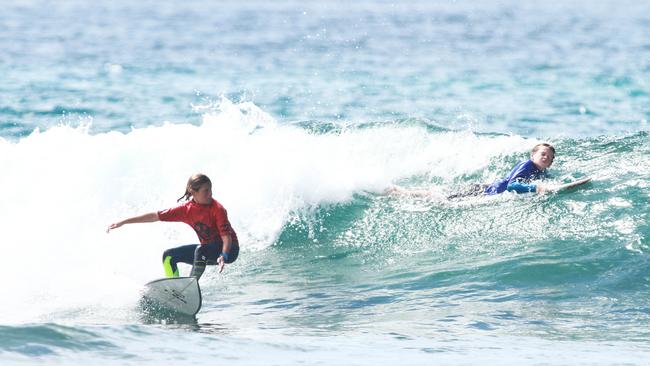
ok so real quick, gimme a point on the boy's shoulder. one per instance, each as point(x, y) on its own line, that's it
point(216, 205)
point(523, 165)
point(527, 164)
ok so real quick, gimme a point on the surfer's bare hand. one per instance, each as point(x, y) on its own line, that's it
point(113, 226)
point(543, 189)
point(221, 263)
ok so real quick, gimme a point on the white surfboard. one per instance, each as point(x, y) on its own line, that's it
point(570, 185)
point(177, 294)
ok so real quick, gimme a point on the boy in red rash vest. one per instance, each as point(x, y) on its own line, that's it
point(209, 219)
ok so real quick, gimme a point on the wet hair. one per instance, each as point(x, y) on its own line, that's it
point(194, 184)
point(543, 144)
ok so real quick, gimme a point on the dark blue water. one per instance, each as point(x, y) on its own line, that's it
point(303, 114)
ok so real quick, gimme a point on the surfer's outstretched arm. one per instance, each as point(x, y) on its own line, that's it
point(520, 187)
point(148, 217)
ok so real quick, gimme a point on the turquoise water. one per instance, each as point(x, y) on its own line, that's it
point(303, 114)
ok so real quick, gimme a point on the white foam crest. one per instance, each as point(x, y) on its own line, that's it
point(62, 187)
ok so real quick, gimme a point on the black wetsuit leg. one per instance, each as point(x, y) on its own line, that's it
point(208, 254)
point(182, 254)
point(473, 190)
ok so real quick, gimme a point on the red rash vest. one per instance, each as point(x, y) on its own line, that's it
point(209, 221)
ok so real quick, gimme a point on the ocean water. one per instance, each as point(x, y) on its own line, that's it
point(303, 113)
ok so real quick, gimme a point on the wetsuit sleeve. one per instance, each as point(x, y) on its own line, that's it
point(520, 172)
point(178, 213)
point(520, 187)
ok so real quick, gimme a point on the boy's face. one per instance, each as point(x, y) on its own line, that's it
point(543, 157)
point(203, 195)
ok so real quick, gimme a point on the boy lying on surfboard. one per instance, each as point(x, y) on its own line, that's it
point(522, 178)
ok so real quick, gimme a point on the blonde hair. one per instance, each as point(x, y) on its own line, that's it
point(194, 184)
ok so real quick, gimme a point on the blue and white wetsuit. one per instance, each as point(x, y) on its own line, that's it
point(518, 180)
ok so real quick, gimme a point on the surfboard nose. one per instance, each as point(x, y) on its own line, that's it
point(178, 294)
